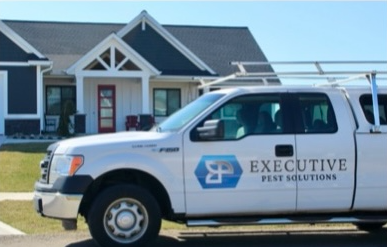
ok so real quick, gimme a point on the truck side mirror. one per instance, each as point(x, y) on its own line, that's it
point(212, 130)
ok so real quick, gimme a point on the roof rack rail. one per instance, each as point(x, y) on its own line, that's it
point(318, 73)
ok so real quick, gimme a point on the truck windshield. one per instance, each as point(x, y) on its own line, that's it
point(187, 113)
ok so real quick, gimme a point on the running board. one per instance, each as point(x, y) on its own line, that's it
point(292, 220)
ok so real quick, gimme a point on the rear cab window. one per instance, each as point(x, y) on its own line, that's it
point(316, 114)
point(368, 111)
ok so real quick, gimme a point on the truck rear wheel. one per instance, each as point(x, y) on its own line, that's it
point(124, 215)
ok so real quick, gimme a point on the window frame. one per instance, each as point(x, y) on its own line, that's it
point(365, 101)
point(298, 117)
point(283, 106)
point(167, 106)
point(61, 87)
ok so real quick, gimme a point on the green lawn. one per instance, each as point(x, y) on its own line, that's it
point(19, 164)
point(22, 216)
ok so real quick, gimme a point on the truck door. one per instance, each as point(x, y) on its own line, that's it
point(325, 153)
point(246, 169)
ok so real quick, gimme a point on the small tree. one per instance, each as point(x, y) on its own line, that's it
point(64, 120)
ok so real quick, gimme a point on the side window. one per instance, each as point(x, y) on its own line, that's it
point(366, 105)
point(249, 115)
point(316, 114)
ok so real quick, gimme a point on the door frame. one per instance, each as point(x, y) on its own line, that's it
point(104, 87)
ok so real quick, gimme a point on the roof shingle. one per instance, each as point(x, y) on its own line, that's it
point(65, 42)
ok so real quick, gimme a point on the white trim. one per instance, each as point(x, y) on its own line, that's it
point(18, 40)
point(144, 17)
point(108, 43)
point(26, 64)
point(39, 94)
point(4, 98)
point(21, 116)
point(145, 94)
point(39, 63)
point(13, 64)
point(101, 74)
point(80, 94)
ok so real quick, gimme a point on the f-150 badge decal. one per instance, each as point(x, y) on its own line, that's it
point(218, 171)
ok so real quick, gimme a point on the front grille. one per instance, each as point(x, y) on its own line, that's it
point(44, 167)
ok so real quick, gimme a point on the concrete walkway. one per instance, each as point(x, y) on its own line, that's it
point(4, 228)
point(7, 229)
point(16, 196)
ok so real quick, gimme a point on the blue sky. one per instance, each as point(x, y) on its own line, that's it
point(286, 31)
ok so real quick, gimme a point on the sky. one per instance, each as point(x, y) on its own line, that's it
point(285, 30)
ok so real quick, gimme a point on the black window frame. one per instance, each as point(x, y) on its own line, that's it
point(299, 122)
point(168, 111)
point(62, 102)
point(366, 104)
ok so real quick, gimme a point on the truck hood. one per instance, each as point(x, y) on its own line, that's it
point(109, 140)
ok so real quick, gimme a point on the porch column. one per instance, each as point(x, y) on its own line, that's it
point(80, 96)
point(145, 94)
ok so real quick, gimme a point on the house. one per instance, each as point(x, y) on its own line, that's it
point(105, 72)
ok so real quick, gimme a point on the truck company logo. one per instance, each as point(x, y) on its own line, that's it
point(218, 172)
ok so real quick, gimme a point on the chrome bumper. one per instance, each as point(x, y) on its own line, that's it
point(57, 205)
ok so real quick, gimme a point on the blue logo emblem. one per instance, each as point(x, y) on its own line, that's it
point(218, 171)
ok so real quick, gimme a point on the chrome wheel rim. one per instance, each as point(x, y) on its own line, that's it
point(126, 220)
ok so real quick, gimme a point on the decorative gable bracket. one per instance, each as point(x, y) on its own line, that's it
point(112, 57)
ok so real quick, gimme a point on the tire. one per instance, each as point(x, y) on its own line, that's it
point(370, 227)
point(124, 215)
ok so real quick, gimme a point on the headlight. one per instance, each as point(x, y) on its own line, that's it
point(64, 165)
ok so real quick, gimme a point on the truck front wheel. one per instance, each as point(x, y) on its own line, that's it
point(124, 215)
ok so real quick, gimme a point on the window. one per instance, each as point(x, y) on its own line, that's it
point(368, 110)
point(316, 114)
point(249, 115)
point(166, 101)
point(59, 97)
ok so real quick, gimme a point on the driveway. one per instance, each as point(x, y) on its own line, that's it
point(326, 237)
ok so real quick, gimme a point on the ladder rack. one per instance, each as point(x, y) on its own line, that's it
point(339, 76)
point(318, 73)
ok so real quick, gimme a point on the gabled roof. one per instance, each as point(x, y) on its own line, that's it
point(145, 40)
point(211, 48)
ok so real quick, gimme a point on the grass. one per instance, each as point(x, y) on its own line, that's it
point(20, 166)
point(22, 216)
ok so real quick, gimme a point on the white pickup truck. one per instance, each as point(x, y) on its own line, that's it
point(254, 155)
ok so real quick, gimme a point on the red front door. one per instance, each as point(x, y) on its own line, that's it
point(106, 108)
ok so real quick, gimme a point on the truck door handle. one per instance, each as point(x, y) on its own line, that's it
point(284, 150)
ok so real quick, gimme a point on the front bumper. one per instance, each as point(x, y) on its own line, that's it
point(57, 205)
point(62, 199)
